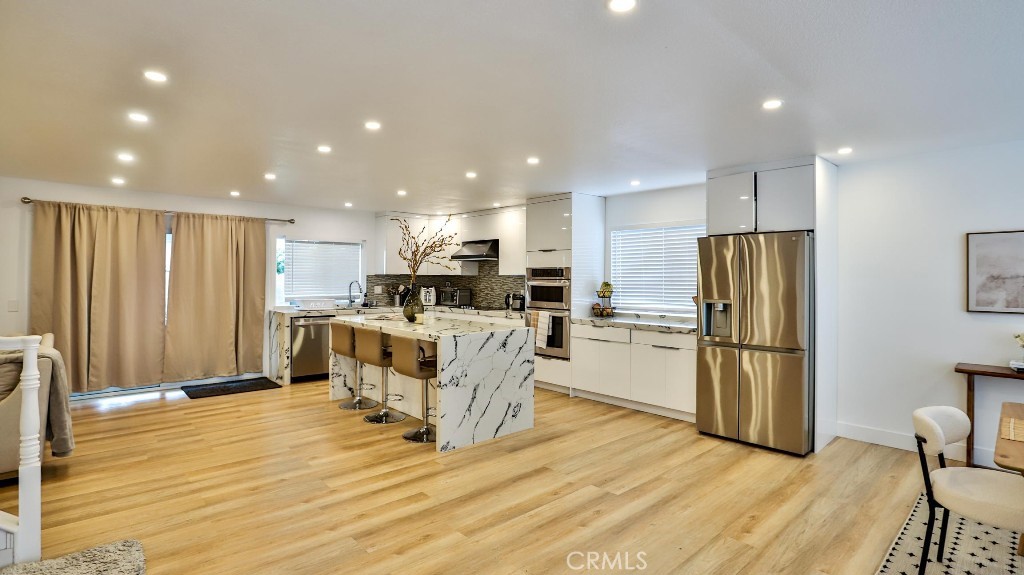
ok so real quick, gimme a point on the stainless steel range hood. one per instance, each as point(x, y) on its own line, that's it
point(476, 251)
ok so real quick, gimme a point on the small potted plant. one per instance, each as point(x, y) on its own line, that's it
point(416, 250)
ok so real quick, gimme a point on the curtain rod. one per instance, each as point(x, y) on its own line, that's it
point(27, 200)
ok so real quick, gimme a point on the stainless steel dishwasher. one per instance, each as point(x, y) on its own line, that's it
point(311, 341)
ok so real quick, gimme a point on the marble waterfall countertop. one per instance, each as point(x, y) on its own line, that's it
point(484, 383)
point(634, 321)
point(432, 328)
point(289, 311)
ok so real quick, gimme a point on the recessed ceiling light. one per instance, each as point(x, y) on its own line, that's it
point(743, 226)
point(348, 204)
point(125, 157)
point(634, 182)
point(772, 104)
point(465, 215)
point(323, 149)
point(117, 181)
point(845, 150)
point(471, 175)
point(438, 213)
point(744, 197)
point(565, 228)
point(372, 125)
point(621, 5)
point(497, 205)
point(401, 192)
point(269, 176)
point(533, 160)
point(138, 117)
point(235, 193)
point(155, 76)
point(565, 215)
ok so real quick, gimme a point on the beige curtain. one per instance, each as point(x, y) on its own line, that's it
point(216, 296)
point(98, 285)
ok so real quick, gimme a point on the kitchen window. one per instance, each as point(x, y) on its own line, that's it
point(654, 269)
point(320, 269)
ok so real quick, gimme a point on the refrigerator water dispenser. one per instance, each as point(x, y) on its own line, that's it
point(718, 318)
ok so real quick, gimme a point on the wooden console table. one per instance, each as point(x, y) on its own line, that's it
point(971, 370)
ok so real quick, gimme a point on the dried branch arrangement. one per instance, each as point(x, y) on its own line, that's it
point(419, 249)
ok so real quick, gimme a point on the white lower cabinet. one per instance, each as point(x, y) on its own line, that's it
point(664, 376)
point(601, 366)
point(647, 367)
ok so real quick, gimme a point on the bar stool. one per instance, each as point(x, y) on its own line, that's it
point(417, 359)
point(343, 342)
point(372, 349)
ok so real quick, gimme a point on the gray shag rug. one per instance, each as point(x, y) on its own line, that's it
point(972, 548)
point(119, 558)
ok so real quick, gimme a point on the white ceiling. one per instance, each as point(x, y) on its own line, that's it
point(659, 95)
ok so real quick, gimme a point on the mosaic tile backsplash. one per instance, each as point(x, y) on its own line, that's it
point(488, 287)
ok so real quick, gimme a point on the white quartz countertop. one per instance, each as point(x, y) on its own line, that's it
point(645, 324)
point(432, 328)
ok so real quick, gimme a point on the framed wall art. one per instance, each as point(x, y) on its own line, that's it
point(995, 272)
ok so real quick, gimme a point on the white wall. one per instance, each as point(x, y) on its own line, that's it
point(902, 319)
point(16, 234)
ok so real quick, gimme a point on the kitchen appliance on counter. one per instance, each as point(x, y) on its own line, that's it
point(515, 302)
point(548, 288)
point(755, 353)
point(456, 297)
point(311, 344)
point(428, 296)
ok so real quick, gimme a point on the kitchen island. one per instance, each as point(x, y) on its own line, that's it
point(485, 376)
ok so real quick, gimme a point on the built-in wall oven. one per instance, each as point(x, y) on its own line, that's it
point(548, 288)
point(558, 333)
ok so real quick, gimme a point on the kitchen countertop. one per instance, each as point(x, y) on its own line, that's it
point(432, 328)
point(290, 311)
point(640, 323)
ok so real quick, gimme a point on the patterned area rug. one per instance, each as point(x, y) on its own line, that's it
point(118, 558)
point(972, 548)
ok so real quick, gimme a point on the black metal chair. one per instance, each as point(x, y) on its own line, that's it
point(984, 495)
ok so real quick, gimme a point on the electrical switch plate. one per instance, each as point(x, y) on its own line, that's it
point(377, 290)
point(12, 305)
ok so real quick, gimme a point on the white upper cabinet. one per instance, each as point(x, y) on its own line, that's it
point(549, 226)
point(508, 226)
point(441, 224)
point(785, 199)
point(389, 239)
point(512, 242)
point(731, 204)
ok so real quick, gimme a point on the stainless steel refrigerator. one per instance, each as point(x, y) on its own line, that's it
point(755, 353)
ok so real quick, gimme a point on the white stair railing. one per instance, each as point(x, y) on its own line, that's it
point(26, 528)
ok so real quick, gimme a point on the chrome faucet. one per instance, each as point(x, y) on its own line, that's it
point(350, 291)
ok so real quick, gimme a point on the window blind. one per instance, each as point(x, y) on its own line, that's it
point(320, 269)
point(655, 269)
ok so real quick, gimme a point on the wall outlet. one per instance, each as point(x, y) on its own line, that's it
point(12, 305)
point(377, 290)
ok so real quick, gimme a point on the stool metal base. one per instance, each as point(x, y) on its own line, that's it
point(422, 435)
point(384, 416)
point(358, 403)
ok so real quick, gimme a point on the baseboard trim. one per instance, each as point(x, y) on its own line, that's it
point(635, 405)
point(903, 441)
point(551, 387)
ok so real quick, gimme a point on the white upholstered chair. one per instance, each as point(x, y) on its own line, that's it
point(988, 496)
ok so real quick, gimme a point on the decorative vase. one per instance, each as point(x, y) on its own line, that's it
point(413, 310)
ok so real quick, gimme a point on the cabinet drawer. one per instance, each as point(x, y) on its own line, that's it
point(674, 340)
point(619, 334)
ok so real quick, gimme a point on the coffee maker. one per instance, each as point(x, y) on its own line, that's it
point(515, 302)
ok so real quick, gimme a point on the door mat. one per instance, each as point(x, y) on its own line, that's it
point(228, 387)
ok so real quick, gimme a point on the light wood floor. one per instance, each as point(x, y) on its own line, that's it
point(282, 481)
